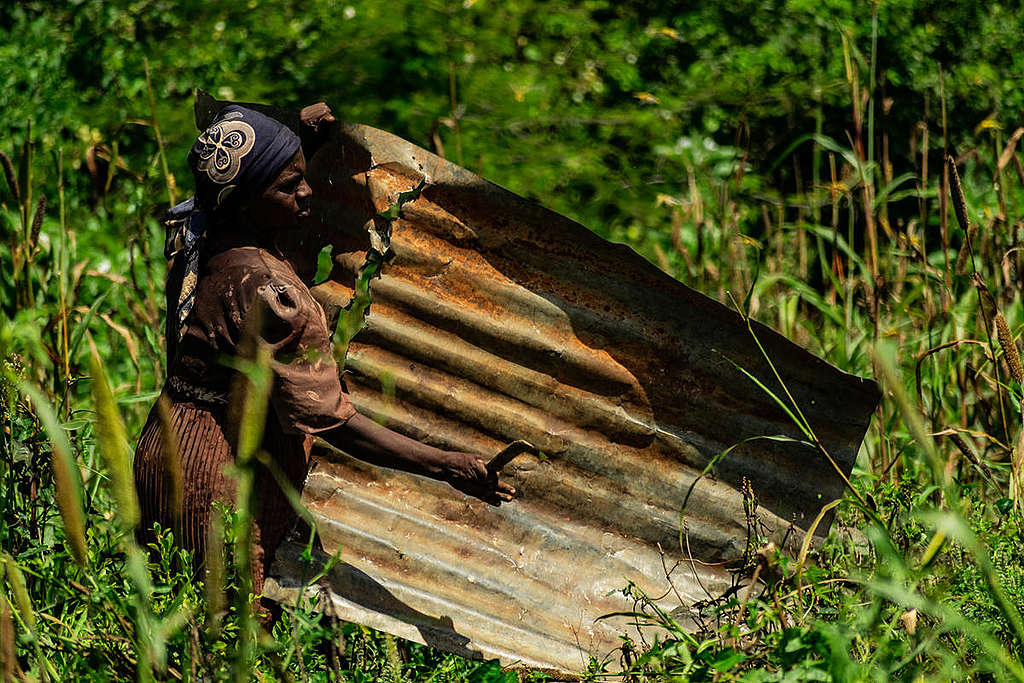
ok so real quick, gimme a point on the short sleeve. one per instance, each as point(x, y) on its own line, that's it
point(307, 394)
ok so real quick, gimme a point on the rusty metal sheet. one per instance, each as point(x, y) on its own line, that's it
point(499, 320)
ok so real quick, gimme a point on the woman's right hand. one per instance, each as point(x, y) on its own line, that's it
point(316, 116)
point(468, 473)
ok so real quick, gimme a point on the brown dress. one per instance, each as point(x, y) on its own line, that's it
point(236, 283)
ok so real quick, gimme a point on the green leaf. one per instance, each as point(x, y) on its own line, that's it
point(83, 325)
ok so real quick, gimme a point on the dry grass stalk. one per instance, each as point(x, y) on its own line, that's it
point(172, 459)
point(11, 176)
point(1008, 151)
point(909, 621)
point(968, 453)
point(1009, 348)
point(1020, 169)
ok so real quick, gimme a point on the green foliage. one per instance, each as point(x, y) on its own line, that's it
point(791, 152)
point(575, 104)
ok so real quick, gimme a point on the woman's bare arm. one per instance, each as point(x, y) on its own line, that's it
point(365, 439)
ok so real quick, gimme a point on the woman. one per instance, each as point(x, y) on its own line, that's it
point(241, 253)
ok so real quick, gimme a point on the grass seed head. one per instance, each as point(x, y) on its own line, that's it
point(17, 581)
point(37, 222)
point(1009, 348)
point(956, 192)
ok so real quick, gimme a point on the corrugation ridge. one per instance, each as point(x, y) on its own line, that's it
point(766, 463)
point(367, 547)
point(364, 503)
point(657, 341)
point(578, 457)
point(547, 512)
point(494, 413)
point(559, 352)
point(601, 591)
point(708, 497)
point(404, 335)
point(440, 575)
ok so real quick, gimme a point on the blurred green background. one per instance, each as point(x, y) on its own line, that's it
point(595, 109)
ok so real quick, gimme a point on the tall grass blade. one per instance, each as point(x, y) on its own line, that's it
point(249, 407)
point(8, 658)
point(11, 177)
point(805, 547)
point(214, 584)
point(891, 383)
point(16, 579)
point(68, 479)
point(83, 325)
point(25, 611)
point(172, 460)
point(113, 443)
point(953, 526)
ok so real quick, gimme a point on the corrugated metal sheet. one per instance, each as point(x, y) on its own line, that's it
point(500, 320)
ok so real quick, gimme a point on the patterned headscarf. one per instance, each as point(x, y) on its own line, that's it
point(233, 160)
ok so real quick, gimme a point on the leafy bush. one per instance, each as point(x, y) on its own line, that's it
point(792, 150)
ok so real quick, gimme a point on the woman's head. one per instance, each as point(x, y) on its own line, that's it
point(285, 201)
point(247, 159)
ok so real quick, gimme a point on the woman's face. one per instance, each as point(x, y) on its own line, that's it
point(285, 203)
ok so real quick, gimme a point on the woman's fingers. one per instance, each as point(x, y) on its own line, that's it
point(478, 481)
point(316, 115)
point(504, 490)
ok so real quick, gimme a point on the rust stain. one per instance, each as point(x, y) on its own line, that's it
point(499, 320)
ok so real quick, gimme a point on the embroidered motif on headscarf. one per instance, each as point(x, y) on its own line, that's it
point(224, 145)
point(234, 159)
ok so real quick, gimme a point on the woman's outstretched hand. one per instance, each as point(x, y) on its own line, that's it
point(365, 439)
point(468, 473)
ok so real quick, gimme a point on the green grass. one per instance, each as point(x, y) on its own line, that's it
point(929, 586)
point(857, 255)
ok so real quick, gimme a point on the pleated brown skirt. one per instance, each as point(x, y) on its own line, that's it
point(205, 452)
